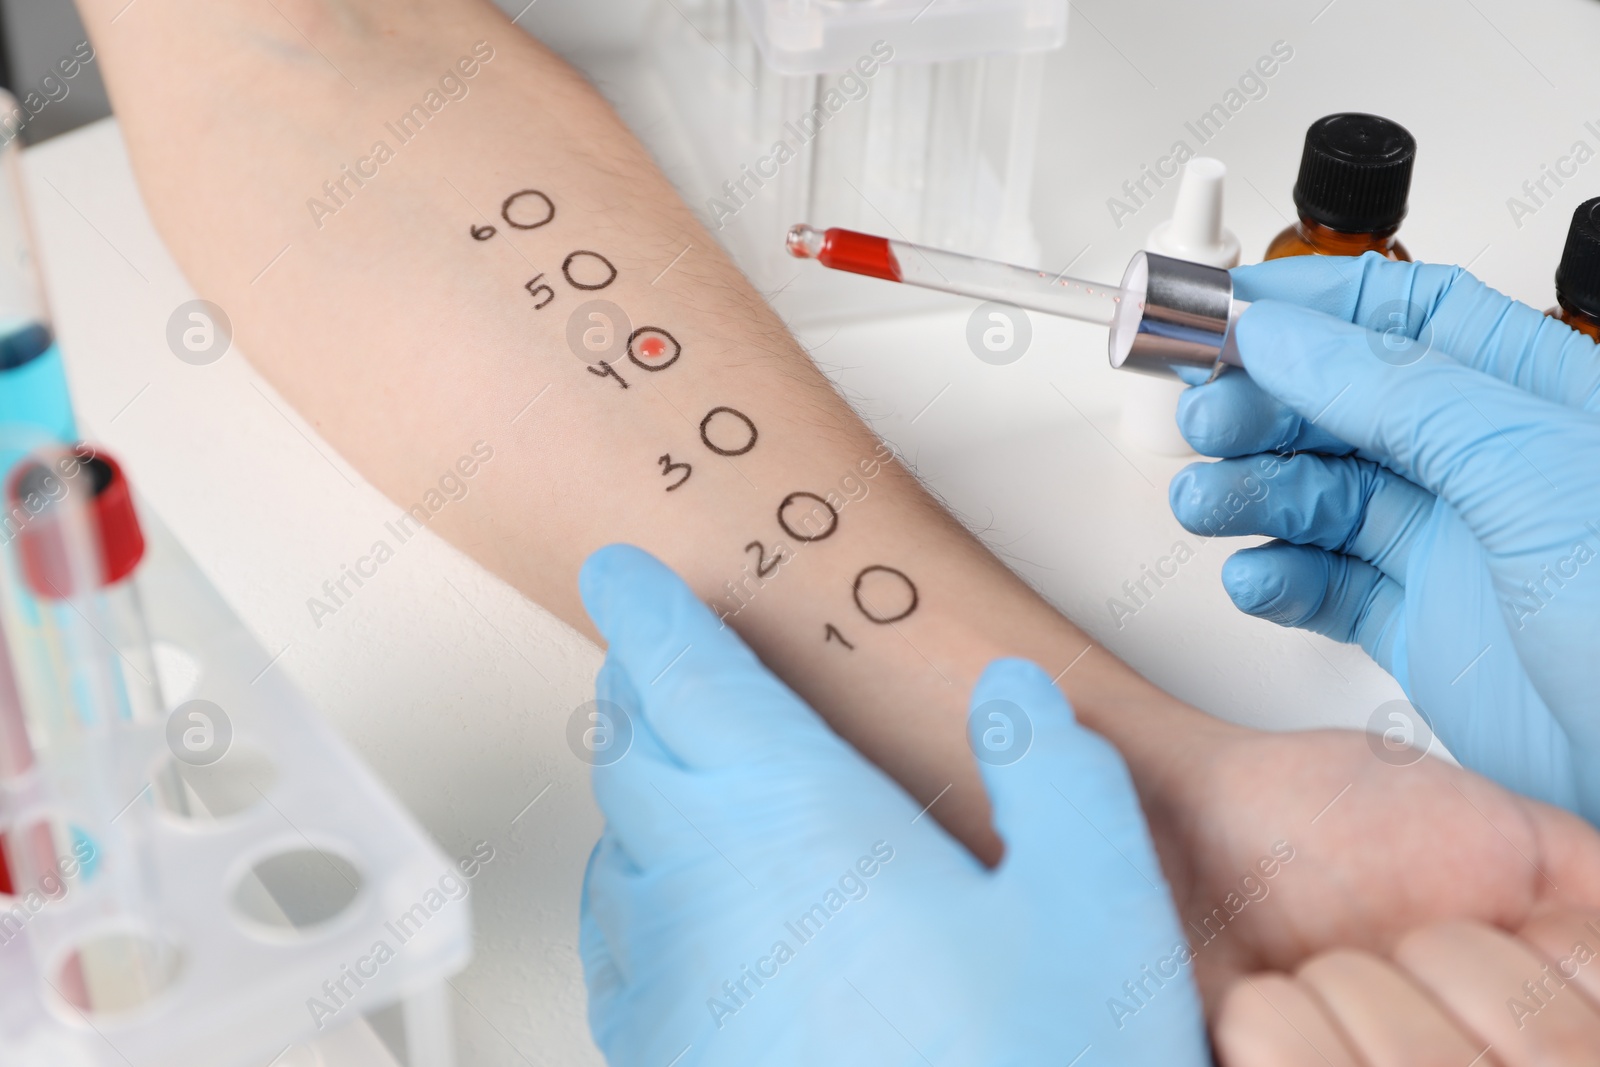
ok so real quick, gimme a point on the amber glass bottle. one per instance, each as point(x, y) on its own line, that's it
point(1578, 276)
point(1355, 177)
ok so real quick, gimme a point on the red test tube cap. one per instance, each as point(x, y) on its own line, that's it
point(37, 489)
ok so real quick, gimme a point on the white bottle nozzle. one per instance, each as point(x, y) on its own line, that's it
point(1195, 231)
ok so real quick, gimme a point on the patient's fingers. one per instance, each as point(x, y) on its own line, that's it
point(1271, 1020)
point(1386, 1017)
point(1497, 987)
point(1457, 993)
point(1570, 944)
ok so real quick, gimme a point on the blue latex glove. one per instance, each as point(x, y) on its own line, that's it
point(762, 894)
point(1443, 509)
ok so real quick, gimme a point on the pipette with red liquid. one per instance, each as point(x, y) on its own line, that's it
point(1168, 317)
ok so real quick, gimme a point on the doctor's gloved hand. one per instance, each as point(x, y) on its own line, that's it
point(762, 894)
point(1427, 453)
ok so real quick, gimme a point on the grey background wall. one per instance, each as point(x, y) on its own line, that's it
point(37, 35)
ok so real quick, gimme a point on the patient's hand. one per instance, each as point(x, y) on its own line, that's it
point(1369, 851)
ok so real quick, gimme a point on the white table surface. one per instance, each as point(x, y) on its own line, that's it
point(457, 691)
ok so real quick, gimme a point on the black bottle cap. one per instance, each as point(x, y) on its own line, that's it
point(1355, 174)
point(1578, 276)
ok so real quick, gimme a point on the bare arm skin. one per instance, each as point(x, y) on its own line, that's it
point(406, 339)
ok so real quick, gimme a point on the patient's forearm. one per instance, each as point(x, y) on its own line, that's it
point(427, 255)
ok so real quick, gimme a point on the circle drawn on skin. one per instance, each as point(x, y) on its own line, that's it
point(867, 605)
point(549, 210)
point(653, 343)
point(833, 517)
point(705, 430)
point(572, 257)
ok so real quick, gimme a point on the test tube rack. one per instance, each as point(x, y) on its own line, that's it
point(251, 964)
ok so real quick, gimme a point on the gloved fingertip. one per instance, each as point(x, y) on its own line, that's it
point(1020, 681)
point(1291, 278)
point(1013, 702)
point(1231, 417)
point(1034, 757)
point(1252, 587)
point(1183, 492)
point(604, 572)
point(1197, 420)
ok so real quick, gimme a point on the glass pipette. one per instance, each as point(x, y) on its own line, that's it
point(1169, 316)
point(952, 272)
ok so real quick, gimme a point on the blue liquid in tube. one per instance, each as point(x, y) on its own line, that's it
point(33, 386)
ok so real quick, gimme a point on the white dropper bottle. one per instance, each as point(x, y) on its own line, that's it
point(1195, 232)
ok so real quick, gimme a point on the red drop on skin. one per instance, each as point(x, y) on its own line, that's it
point(652, 347)
point(860, 253)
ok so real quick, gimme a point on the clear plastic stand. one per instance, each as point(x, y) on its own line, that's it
point(278, 892)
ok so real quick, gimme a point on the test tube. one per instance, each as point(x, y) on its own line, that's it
point(35, 407)
point(35, 411)
point(87, 679)
point(78, 546)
